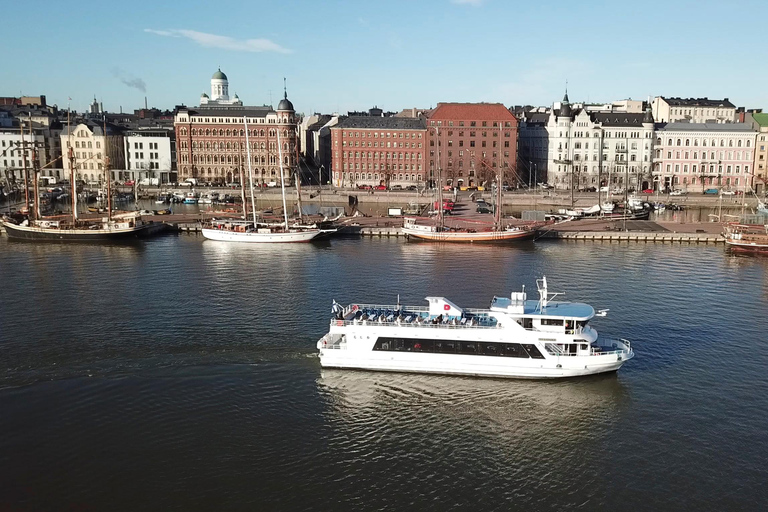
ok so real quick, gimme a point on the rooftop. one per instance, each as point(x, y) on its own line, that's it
point(698, 102)
point(235, 111)
point(472, 112)
point(706, 127)
point(761, 119)
point(391, 123)
point(618, 118)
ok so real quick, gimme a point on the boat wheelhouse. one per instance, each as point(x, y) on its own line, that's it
point(746, 237)
point(515, 337)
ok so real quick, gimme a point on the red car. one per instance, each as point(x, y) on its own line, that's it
point(364, 187)
point(129, 183)
point(380, 187)
point(648, 191)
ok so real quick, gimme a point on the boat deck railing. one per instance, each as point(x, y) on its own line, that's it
point(607, 347)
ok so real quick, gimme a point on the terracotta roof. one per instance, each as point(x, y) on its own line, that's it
point(472, 112)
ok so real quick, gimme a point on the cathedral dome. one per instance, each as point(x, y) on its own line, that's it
point(218, 75)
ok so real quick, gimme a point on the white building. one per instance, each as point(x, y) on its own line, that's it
point(12, 152)
point(219, 92)
point(593, 149)
point(698, 156)
point(692, 110)
point(149, 153)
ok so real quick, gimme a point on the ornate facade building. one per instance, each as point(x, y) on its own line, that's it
point(211, 139)
point(697, 156)
point(592, 149)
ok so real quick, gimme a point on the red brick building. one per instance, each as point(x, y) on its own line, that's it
point(472, 141)
point(369, 150)
point(211, 138)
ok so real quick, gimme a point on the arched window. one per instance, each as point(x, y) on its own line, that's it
point(687, 142)
point(678, 142)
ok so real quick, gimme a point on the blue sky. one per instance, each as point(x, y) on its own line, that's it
point(347, 55)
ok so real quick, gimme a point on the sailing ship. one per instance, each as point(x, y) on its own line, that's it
point(36, 227)
point(439, 232)
point(746, 237)
point(229, 230)
point(514, 337)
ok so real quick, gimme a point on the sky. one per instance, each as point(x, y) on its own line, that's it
point(338, 56)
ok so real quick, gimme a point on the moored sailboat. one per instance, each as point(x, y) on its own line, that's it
point(228, 230)
point(438, 232)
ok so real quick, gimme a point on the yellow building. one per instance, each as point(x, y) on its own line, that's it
point(89, 148)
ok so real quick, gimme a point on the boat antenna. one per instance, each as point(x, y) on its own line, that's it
point(250, 172)
point(398, 302)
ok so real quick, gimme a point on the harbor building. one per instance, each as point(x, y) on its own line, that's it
point(13, 152)
point(471, 142)
point(211, 139)
point(698, 156)
point(693, 110)
point(590, 149)
point(150, 155)
point(91, 146)
point(760, 166)
point(378, 151)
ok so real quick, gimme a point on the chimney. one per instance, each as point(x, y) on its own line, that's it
point(145, 103)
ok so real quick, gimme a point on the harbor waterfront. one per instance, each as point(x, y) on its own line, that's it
point(181, 374)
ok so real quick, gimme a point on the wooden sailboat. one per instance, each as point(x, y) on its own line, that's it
point(439, 232)
point(228, 230)
point(34, 227)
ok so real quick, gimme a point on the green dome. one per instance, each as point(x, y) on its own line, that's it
point(218, 75)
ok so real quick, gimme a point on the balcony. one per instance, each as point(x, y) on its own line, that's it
point(621, 150)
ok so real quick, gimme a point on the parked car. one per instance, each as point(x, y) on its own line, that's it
point(588, 189)
point(129, 183)
point(603, 189)
point(484, 208)
point(728, 193)
point(677, 193)
point(396, 187)
point(711, 191)
point(648, 191)
point(411, 187)
point(364, 187)
point(380, 187)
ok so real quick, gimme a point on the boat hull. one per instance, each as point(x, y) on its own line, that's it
point(469, 237)
point(222, 235)
point(474, 366)
point(746, 246)
point(38, 234)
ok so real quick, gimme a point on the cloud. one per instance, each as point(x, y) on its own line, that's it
point(136, 83)
point(222, 42)
point(473, 3)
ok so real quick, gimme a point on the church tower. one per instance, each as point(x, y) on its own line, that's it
point(219, 87)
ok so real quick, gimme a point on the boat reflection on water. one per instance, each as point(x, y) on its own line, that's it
point(553, 413)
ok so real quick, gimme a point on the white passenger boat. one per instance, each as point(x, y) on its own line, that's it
point(515, 337)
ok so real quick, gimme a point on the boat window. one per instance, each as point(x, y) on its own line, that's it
point(551, 321)
point(445, 347)
point(582, 323)
point(528, 323)
point(532, 351)
point(572, 348)
point(513, 350)
point(468, 347)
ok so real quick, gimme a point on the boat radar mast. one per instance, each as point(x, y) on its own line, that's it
point(544, 296)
